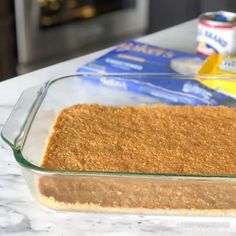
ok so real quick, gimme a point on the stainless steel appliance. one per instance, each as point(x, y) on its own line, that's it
point(49, 31)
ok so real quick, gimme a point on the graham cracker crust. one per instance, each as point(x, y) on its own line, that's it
point(143, 139)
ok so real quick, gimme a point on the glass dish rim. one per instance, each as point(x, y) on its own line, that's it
point(46, 171)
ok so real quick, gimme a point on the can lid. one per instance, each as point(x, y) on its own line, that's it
point(219, 17)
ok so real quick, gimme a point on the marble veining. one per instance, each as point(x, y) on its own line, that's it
point(20, 214)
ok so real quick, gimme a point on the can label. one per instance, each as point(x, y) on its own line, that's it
point(214, 36)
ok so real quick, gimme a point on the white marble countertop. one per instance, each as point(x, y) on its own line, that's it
point(21, 215)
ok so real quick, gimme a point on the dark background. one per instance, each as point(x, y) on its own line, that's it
point(162, 14)
point(166, 13)
point(7, 40)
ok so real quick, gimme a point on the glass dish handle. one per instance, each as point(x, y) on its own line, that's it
point(16, 126)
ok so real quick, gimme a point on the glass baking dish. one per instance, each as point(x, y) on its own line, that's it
point(27, 131)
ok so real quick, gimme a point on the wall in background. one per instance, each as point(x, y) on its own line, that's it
point(215, 5)
point(166, 13)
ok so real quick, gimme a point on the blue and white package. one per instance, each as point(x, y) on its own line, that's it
point(136, 57)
